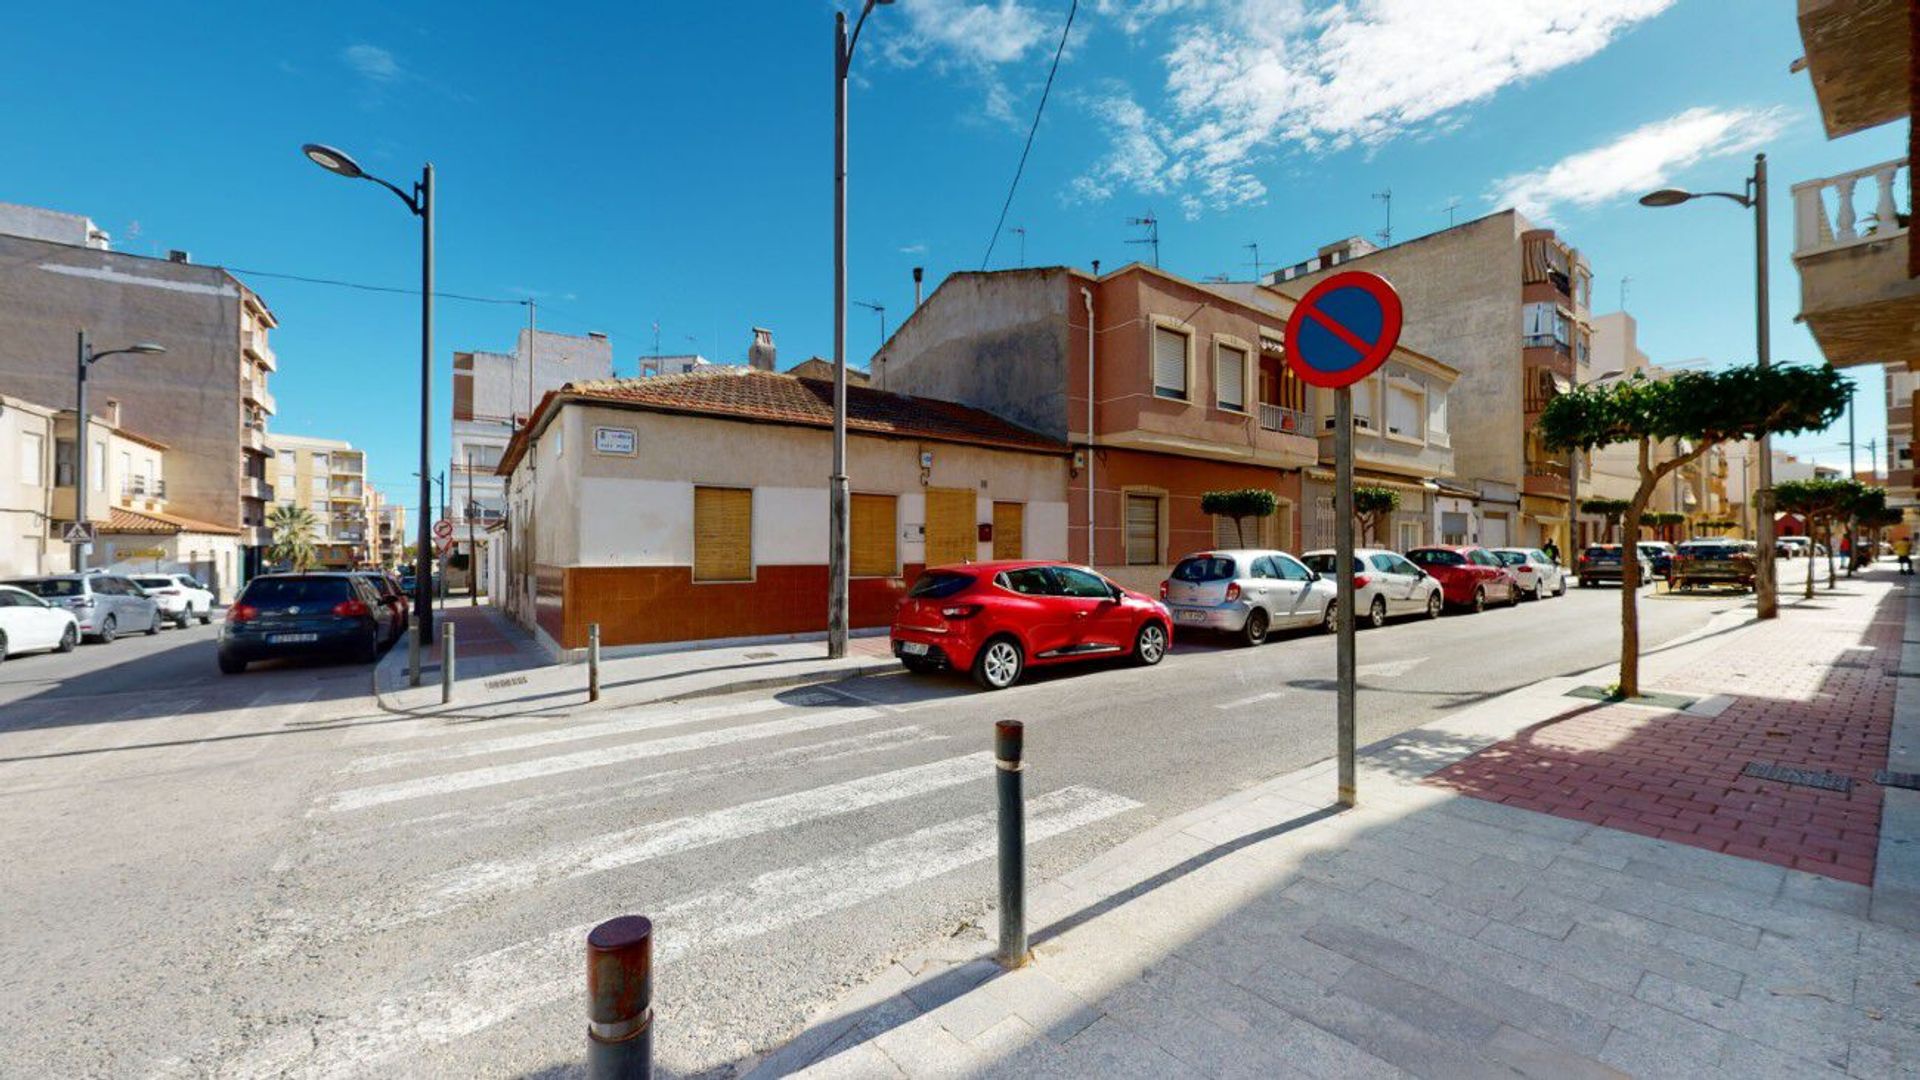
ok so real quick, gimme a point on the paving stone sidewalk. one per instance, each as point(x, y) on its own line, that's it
point(1426, 933)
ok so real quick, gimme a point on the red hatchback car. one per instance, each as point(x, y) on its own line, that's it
point(993, 619)
point(1469, 575)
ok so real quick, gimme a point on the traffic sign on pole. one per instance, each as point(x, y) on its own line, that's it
point(1339, 333)
point(78, 532)
point(443, 528)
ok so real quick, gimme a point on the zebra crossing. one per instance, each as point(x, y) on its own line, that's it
point(468, 863)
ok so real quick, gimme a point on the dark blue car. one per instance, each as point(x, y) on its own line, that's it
point(283, 615)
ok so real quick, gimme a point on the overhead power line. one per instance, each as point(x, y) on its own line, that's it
point(363, 287)
point(1031, 132)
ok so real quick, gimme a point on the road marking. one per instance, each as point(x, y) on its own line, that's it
point(650, 719)
point(499, 985)
point(1254, 700)
point(1389, 669)
point(422, 787)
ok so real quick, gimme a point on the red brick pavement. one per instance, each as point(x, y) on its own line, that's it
point(1813, 690)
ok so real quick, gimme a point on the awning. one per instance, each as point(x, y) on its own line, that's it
point(1368, 476)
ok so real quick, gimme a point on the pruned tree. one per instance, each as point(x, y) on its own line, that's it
point(293, 528)
point(1820, 501)
point(1702, 407)
point(1868, 505)
point(1663, 519)
point(1609, 510)
point(1372, 507)
point(1240, 505)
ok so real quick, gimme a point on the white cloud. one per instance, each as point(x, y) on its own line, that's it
point(969, 38)
point(1638, 161)
point(372, 63)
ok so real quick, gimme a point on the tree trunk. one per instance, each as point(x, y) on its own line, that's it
point(1812, 521)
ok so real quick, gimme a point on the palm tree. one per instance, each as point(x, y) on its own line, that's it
point(292, 536)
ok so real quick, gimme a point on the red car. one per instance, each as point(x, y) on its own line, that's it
point(995, 618)
point(1469, 575)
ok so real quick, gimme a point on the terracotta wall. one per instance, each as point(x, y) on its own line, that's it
point(641, 605)
point(1184, 480)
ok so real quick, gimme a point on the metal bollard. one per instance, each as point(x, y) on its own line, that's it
point(446, 662)
point(620, 999)
point(1008, 736)
point(593, 661)
point(413, 654)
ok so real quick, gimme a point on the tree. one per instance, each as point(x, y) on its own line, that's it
point(1867, 506)
point(1702, 407)
point(1610, 510)
point(1663, 519)
point(1372, 506)
point(293, 528)
point(1820, 501)
point(1240, 505)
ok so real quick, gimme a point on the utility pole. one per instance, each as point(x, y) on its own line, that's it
point(473, 546)
point(1152, 225)
point(533, 338)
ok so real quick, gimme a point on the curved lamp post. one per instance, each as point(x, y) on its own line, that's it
point(84, 359)
point(420, 201)
point(1766, 591)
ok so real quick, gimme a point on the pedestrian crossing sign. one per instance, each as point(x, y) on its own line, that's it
point(79, 532)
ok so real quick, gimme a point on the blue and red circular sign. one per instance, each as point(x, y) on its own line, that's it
point(1343, 329)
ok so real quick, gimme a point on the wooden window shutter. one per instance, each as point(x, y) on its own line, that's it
point(872, 526)
point(1230, 377)
point(951, 533)
point(1009, 529)
point(1143, 530)
point(722, 534)
point(1169, 362)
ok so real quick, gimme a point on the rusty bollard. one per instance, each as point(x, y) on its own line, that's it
point(620, 999)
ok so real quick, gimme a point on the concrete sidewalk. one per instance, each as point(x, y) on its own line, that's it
point(1432, 932)
point(501, 671)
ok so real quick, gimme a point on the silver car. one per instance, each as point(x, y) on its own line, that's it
point(1247, 592)
point(1385, 584)
point(105, 605)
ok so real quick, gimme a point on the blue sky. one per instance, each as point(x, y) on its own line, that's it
point(632, 164)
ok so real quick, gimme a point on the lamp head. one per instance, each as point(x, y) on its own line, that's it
point(334, 161)
point(1665, 197)
point(147, 348)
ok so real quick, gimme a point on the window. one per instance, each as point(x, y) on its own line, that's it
point(1143, 530)
point(317, 462)
point(1537, 324)
point(126, 468)
point(1383, 563)
point(1009, 529)
point(938, 585)
point(1409, 537)
point(1081, 583)
point(1437, 414)
point(99, 469)
point(874, 552)
point(63, 462)
point(952, 532)
point(33, 447)
point(1230, 377)
point(722, 534)
point(1406, 410)
point(1292, 569)
point(1204, 568)
point(1263, 568)
point(1030, 581)
point(1363, 402)
point(1170, 363)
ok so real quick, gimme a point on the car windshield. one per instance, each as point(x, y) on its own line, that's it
point(1204, 568)
point(154, 582)
point(1321, 562)
point(281, 592)
point(1437, 557)
point(1512, 558)
point(50, 587)
point(938, 585)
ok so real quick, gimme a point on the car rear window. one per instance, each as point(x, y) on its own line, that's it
point(55, 587)
point(278, 592)
point(1604, 551)
point(1204, 568)
point(939, 585)
point(1711, 551)
point(1511, 558)
point(1322, 563)
point(154, 583)
point(1437, 557)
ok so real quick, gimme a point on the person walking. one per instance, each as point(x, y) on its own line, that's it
point(1551, 550)
point(1903, 550)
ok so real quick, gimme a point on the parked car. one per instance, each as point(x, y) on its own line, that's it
point(1601, 562)
point(302, 615)
point(1385, 584)
point(181, 598)
point(1715, 561)
point(1247, 592)
point(1469, 575)
point(30, 624)
point(1538, 575)
point(994, 619)
point(1660, 554)
point(103, 605)
point(392, 598)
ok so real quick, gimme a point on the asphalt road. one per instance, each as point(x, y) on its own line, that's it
point(267, 875)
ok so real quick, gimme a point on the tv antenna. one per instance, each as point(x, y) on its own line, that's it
point(1021, 232)
point(1386, 234)
point(1623, 292)
point(656, 340)
point(880, 310)
point(1152, 225)
point(1254, 246)
point(1452, 205)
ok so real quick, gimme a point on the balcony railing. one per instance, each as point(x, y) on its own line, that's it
point(143, 488)
point(253, 487)
point(255, 342)
point(1281, 418)
point(1840, 211)
point(255, 391)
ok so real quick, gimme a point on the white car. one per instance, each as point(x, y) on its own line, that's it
point(181, 598)
point(1385, 584)
point(30, 624)
point(1538, 575)
point(1246, 592)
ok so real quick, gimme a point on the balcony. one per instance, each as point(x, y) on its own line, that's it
point(345, 464)
point(1281, 418)
point(254, 392)
point(143, 489)
point(1545, 478)
point(1411, 456)
point(255, 344)
point(1856, 57)
point(346, 493)
point(253, 487)
point(1858, 294)
point(256, 536)
point(254, 440)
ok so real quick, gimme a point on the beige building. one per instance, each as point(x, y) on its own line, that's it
point(694, 507)
point(390, 531)
point(328, 477)
point(1613, 472)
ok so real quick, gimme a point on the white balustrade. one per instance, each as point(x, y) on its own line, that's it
point(1819, 227)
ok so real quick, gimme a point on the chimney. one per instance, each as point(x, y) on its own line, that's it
point(178, 256)
point(918, 273)
point(113, 412)
point(760, 354)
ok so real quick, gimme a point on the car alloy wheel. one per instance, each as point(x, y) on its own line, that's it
point(1151, 645)
point(1434, 603)
point(108, 630)
point(1330, 622)
point(998, 665)
point(1513, 595)
point(1256, 630)
point(3, 648)
point(1479, 600)
point(154, 626)
point(68, 638)
point(1377, 612)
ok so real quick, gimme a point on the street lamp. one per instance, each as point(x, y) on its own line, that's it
point(420, 201)
point(85, 358)
point(837, 525)
point(1766, 593)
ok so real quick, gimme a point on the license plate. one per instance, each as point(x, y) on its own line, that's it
point(913, 648)
point(1192, 616)
point(290, 639)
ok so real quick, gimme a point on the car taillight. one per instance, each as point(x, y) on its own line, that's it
point(1163, 590)
point(960, 611)
point(1585, 558)
point(350, 608)
point(1233, 590)
point(240, 613)
point(1360, 581)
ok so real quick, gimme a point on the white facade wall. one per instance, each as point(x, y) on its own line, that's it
point(26, 477)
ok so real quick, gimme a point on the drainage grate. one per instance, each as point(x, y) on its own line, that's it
point(1803, 777)
point(502, 684)
point(1897, 779)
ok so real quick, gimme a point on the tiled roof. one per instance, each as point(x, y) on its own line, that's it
point(152, 523)
point(750, 394)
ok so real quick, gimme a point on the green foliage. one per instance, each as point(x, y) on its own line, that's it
point(292, 536)
point(1662, 517)
point(1611, 509)
point(1700, 406)
point(1369, 500)
point(1867, 503)
point(1240, 505)
point(1820, 497)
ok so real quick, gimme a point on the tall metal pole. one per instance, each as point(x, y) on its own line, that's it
point(423, 555)
point(1344, 666)
point(83, 357)
point(473, 545)
point(1766, 590)
point(837, 525)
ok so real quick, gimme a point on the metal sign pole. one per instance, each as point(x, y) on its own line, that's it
point(1343, 579)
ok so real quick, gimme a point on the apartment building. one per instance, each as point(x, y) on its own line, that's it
point(1697, 489)
point(1506, 304)
point(1167, 389)
point(327, 477)
point(493, 395)
point(694, 506)
point(206, 397)
point(391, 539)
